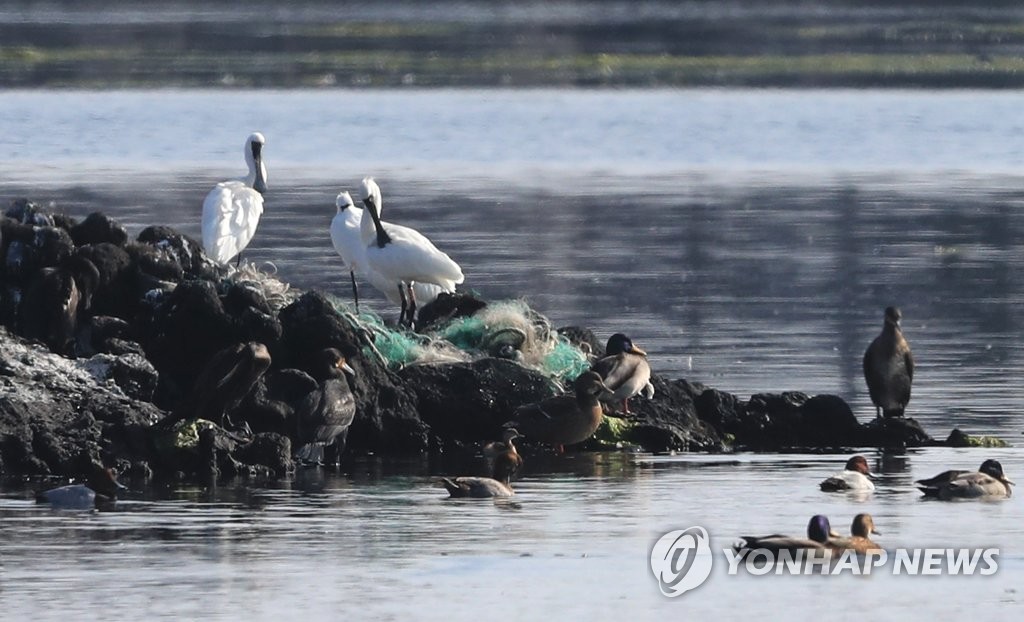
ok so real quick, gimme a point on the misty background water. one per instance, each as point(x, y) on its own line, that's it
point(747, 239)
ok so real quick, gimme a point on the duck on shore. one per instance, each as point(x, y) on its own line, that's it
point(988, 482)
point(564, 419)
point(625, 370)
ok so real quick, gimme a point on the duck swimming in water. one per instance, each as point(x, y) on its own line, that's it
point(505, 447)
point(325, 414)
point(564, 419)
point(100, 487)
point(989, 481)
point(819, 535)
point(625, 370)
point(855, 477)
point(860, 536)
point(486, 487)
point(889, 368)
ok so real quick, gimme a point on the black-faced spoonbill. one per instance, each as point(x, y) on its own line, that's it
point(232, 210)
point(348, 243)
point(402, 255)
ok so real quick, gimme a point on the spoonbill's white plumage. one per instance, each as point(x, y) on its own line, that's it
point(347, 241)
point(402, 255)
point(232, 210)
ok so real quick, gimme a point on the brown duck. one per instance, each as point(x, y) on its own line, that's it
point(564, 419)
point(506, 448)
point(860, 536)
point(889, 368)
point(486, 487)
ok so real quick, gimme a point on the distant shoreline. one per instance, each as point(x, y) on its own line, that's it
point(596, 44)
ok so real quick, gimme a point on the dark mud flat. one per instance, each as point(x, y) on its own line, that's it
point(100, 382)
point(600, 43)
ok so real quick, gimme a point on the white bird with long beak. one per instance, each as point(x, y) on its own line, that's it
point(348, 243)
point(232, 210)
point(402, 255)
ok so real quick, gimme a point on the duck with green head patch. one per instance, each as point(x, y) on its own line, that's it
point(624, 370)
point(988, 482)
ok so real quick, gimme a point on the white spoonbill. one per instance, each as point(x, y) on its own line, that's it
point(402, 255)
point(345, 236)
point(232, 210)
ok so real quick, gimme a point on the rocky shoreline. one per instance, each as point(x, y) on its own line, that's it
point(91, 382)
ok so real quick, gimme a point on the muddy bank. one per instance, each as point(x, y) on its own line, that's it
point(106, 338)
point(596, 43)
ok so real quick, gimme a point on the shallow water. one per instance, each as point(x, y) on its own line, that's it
point(381, 542)
point(747, 239)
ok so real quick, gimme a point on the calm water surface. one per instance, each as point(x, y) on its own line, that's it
point(747, 239)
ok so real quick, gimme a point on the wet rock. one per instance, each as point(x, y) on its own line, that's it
point(669, 420)
point(894, 433)
point(469, 402)
point(269, 450)
point(182, 250)
point(135, 376)
point(271, 405)
point(116, 293)
point(51, 411)
point(97, 228)
point(184, 330)
point(827, 421)
point(26, 212)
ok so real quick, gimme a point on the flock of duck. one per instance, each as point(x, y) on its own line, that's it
point(988, 482)
point(405, 266)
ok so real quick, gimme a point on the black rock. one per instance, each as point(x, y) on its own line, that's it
point(186, 252)
point(97, 228)
point(135, 376)
point(895, 433)
point(584, 339)
point(469, 402)
point(827, 421)
point(669, 420)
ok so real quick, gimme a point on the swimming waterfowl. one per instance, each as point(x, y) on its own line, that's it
point(625, 370)
point(564, 419)
point(222, 384)
point(505, 447)
point(403, 256)
point(819, 534)
point(988, 481)
point(100, 487)
point(347, 241)
point(856, 476)
point(860, 536)
point(232, 210)
point(485, 487)
point(325, 414)
point(889, 368)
